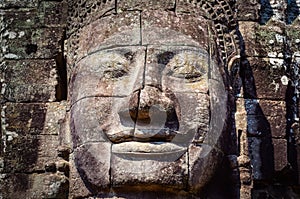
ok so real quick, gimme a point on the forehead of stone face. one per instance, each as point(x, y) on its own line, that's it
point(161, 27)
point(143, 28)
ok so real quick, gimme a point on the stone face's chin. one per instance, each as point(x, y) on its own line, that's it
point(148, 169)
point(127, 164)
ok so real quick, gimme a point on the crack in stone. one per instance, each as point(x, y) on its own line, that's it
point(27, 173)
point(96, 96)
point(139, 92)
point(141, 29)
point(188, 168)
point(110, 170)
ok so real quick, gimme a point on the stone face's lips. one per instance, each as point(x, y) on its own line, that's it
point(120, 136)
point(163, 151)
point(142, 135)
point(146, 147)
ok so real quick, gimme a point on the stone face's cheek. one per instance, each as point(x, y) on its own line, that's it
point(194, 118)
point(219, 113)
point(85, 116)
point(95, 119)
point(203, 161)
point(92, 167)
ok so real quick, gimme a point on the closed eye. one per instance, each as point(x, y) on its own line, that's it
point(114, 74)
point(187, 66)
point(115, 70)
point(190, 76)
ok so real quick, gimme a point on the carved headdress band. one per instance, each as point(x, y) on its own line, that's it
point(220, 12)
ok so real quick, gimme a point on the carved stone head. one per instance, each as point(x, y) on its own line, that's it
point(149, 101)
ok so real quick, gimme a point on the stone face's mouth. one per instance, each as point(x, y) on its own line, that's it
point(142, 135)
point(163, 151)
point(149, 147)
point(153, 124)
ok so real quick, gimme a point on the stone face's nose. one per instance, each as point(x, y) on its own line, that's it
point(154, 115)
point(145, 100)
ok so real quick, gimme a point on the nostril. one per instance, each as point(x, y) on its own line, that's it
point(152, 113)
point(133, 113)
point(172, 120)
point(126, 118)
point(141, 116)
point(151, 116)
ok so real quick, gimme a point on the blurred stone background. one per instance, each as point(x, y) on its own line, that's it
point(33, 163)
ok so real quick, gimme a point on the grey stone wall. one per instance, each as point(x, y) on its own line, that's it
point(32, 90)
point(267, 104)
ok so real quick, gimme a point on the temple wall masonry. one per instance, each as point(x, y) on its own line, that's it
point(35, 156)
point(32, 106)
point(270, 32)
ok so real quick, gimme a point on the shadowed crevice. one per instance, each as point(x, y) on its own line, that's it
point(266, 11)
point(292, 11)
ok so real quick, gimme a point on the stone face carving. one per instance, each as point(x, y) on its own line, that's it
point(148, 103)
